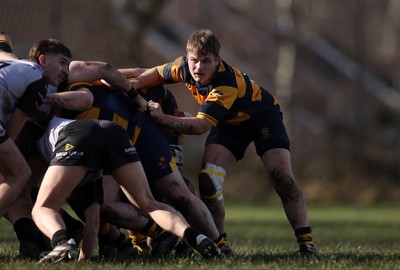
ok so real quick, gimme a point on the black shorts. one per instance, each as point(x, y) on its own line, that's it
point(266, 130)
point(3, 133)
point(96, 144)
point(154, 150)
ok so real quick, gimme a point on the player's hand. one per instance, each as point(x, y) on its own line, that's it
point(140, 102)
point(155, 110)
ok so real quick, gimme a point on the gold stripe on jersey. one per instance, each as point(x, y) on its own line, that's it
point(226, 99)
point(92, 113)
point(173, 69)
point(199, 98)
point(136, 134)
point(208, 118)
point(240, 81)
point(120, 121)
point(256, 95)
point(240, 117)
point(81, 84)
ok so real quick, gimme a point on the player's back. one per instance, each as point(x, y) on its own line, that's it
point(16, 78)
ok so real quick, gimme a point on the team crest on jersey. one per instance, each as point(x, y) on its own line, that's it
point(265, 132)
point(69, 147)
point(162, 162)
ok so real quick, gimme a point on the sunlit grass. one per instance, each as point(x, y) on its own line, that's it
point(348, 237)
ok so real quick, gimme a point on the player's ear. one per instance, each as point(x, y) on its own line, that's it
point(42, 60)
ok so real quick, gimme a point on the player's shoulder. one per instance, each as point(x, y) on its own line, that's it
point(23, 66)
point(21, 72)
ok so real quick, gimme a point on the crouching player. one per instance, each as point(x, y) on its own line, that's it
point(80, 145)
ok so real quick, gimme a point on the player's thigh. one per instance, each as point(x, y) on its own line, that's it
point(219, 155)
point(58, 183)
point(134, 183)
point(11, 160)
point(171, 187)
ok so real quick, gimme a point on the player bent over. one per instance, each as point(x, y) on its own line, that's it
point(81, 145)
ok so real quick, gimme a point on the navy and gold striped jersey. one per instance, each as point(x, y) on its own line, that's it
point(113, 105)
point(231, 98)
point(168, 103)
point(110, 105)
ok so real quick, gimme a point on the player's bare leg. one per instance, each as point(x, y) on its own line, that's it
point(138, 192)
point(14, 173)
point(218, 161)
point(277, 164)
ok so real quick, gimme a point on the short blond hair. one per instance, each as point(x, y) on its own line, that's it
point(203, 42)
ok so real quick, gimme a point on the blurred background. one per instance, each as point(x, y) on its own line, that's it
point(333, 65)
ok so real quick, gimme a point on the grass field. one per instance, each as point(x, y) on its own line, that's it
point(348, 237)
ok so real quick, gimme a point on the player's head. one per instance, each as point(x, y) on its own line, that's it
point(54, 58)
point(5, 43)
point(203, 55)
point(203, 42)
point(48, 46)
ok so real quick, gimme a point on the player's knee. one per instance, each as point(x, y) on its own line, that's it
point(284, 183)
point(211, 180)
point(23, 174)
point(35, 212)
point(182, 202)
point(109, 212)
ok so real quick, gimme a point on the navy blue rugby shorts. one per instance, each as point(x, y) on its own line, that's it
point(266, 130)
point(154, 151)
point(96, 144)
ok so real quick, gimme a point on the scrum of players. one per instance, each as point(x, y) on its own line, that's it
point(108, 143)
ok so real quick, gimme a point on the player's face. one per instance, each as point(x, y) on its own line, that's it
point(55, 67)
point(202, 68)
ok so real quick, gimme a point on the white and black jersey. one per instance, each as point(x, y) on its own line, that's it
point(22, 86)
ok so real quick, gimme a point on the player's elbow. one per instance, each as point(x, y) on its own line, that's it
point(85, 101)
point(201, 127)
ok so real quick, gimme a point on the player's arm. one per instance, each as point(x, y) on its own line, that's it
point(88, 71)
point(90, 231)
point(31, 98)
point(186, 125)
point(80, 100)
point(147, 79)
point(132, 72)
point(16, 123)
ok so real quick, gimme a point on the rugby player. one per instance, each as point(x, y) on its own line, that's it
point(164, 177)
point(23, 87)
point(236, 111)
point(85, 145)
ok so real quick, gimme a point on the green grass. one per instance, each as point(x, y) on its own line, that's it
point(348, 237)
